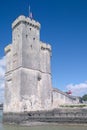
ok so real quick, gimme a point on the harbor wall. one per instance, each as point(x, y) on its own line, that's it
point(71, 116)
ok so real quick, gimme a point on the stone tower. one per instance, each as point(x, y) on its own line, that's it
point(28, 76)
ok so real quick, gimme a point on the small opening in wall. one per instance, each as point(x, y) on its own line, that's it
point(31, 46)
point(29, 114)
point(39, 77)
point(34, 38)
point(26, 35)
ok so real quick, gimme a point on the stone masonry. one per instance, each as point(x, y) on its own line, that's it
point(29, 95)
point(28, 85)
point(28, 75)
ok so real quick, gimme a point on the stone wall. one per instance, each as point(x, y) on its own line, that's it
point(61, 98)
point(54, 116)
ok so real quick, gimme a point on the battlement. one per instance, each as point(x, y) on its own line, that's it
point(26, 20)
point(45, 46)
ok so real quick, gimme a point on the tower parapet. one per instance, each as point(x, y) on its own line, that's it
point(26, 20)
point(45, 46)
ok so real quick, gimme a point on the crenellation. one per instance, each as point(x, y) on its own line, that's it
point(25, 20)
point(45, 46)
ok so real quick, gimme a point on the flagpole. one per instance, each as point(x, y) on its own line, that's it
point(29, 11)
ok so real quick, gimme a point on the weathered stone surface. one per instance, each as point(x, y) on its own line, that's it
point(54, 116)
point(61, 98)
point(28, 85)
point(8, 51)
point(28, 65)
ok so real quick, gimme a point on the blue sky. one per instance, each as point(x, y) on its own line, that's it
point(64, 26)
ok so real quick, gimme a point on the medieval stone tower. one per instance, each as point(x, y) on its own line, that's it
point(28, 76)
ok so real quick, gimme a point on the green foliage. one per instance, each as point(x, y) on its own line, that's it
point(72, 106)
point(84, 98)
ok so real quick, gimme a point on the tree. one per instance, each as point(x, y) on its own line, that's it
point(84, 97)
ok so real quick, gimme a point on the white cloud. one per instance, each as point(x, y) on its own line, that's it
point(78, 89)
point(2, 74)
point(2, 67)
point(2, 61)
